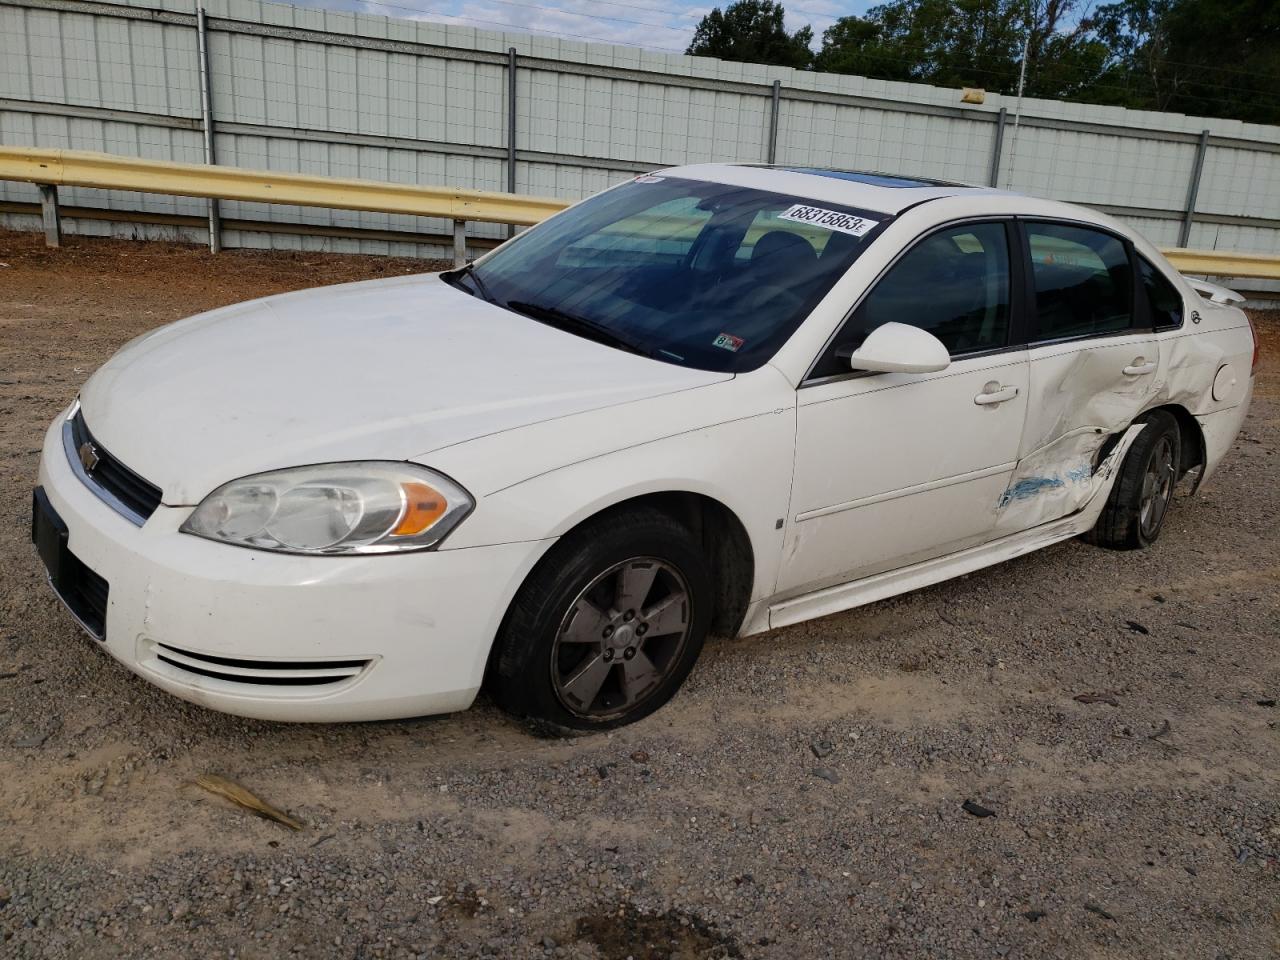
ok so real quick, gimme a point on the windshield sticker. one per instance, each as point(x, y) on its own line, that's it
point(727, 341)
point(829, 219)
point(649, 178)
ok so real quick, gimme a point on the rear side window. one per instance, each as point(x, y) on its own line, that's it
point(1163, 299)
point(1083, 281)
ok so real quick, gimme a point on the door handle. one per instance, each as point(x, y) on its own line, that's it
point(1140, 367)
point(994, 392)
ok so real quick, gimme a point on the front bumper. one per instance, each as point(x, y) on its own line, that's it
point(282, 637)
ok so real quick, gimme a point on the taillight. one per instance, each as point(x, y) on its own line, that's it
point(1257, 352)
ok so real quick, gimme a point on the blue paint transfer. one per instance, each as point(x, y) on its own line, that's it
point(1080, 474)
point(1029, 487)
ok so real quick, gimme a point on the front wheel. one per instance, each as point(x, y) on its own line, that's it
point(607, 626)
point(1143, 492)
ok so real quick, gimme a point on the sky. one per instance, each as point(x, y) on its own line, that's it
point(665, 25)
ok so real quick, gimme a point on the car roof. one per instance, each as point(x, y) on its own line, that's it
point(882, 192)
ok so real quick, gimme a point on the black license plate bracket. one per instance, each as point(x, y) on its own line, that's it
point(81, 590)
point(49, 534)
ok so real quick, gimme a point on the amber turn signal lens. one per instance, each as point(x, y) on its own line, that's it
point(423, 506)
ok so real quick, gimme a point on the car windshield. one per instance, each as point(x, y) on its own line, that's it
point(706, 275)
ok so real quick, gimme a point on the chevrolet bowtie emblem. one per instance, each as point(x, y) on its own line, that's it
point(88, 456)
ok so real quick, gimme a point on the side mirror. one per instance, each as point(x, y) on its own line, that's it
point(899, 348)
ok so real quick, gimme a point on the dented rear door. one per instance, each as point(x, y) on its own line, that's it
point(1091, 371)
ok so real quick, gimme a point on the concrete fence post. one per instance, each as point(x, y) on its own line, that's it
point(511, 129)
point(49, 214)
point(993, 179)
point(459, 243)
point(1193, 189)
point(774, 104)
point(206, 123)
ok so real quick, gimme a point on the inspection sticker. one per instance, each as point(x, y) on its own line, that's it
point(830, 219)
point(649, 178)
point(727, 341)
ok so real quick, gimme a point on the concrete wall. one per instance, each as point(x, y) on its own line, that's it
point(301, 89)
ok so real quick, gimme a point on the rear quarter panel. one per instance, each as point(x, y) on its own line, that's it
point(1212, 336)
point(1206, 368)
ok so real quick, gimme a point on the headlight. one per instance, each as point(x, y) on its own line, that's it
point(334, 508)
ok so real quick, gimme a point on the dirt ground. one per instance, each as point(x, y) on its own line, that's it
point(1145, 824)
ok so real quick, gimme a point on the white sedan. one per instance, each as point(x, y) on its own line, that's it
point(713, 399)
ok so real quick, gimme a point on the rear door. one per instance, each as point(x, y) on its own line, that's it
point(1093, 366)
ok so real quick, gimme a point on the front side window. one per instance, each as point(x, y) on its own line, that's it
point(706, 275)
point(1163, 299)
point(953, 283)
point(1083, 281)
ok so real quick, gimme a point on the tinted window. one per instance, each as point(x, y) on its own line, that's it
point(954, 283)
point(1163, 298)
point(770, 221)
point(662, 233)
point(708, 275)
point(1083, 281)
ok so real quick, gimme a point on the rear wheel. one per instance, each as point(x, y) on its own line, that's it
point(607, 626)
point(1143, 491)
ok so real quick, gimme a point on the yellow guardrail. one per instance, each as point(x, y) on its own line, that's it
point(51, 169)
point(1223, 263)
point(82, 168)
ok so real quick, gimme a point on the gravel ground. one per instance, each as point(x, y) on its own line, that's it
point(802, 797)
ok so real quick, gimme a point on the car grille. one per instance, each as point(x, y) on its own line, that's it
point(296, 673)
point(106, 476)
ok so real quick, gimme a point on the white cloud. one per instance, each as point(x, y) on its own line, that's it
point(665, 25)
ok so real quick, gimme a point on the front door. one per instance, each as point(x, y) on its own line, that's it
point(894, 468)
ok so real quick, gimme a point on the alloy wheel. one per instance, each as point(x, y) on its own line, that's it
point(621, 638)
point(1157, 487)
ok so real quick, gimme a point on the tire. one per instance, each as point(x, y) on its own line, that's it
point(1143, 491)
point(607, 625)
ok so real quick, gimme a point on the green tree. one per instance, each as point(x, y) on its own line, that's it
point(969, 43)
point(964, 43)
point(752, 31)
point(1216, 58)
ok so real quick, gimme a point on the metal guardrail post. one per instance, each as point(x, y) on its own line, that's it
point(459, 243)
point(993, 179)
point(206, 123)
point(1193, 189)
point(511, 129)
point(49, 214)
point(775, 103)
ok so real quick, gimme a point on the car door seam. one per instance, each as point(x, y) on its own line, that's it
point(886, 495)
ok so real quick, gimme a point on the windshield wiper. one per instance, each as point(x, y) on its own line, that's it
point(469, 271)
point(555, 317)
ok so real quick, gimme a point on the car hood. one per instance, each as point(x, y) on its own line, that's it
point(378, 370)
